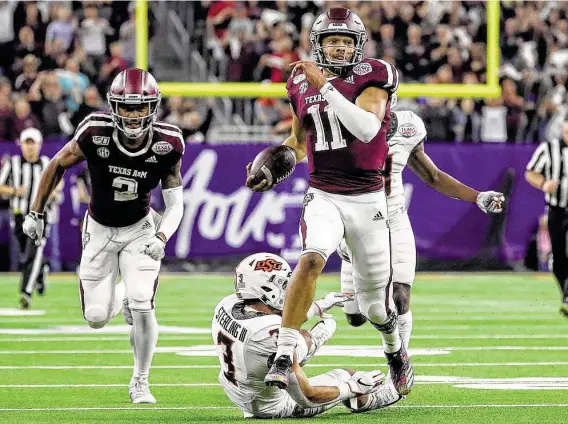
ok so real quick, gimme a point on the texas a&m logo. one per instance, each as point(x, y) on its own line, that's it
point(268, 265)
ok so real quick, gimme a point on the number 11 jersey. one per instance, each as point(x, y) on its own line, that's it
point(122, 179)
point(338, 161)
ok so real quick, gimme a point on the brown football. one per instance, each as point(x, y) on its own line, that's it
point(275, 163)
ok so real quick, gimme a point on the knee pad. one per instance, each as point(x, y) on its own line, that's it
point(140, 305)
point(389, 325)
point(96, 316)
point(373, 305)
point(356, 320)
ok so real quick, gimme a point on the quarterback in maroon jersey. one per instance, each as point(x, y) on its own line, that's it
point(341, 104)
point(128, 154)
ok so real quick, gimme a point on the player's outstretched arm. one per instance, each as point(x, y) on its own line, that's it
point(172, 191)
point(308, 396)
point(66, 158)
point(423, 166)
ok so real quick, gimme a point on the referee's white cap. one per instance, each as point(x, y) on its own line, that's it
point(33, 134)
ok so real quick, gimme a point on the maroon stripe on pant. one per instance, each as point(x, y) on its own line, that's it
point(303, 228)
point(390, 275)
point(387, 298)
point(82, 296)
point(156, 282)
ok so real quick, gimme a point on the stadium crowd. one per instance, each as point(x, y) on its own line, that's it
point(59, 58)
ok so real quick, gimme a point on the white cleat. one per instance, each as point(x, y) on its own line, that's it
point(126, 312)
point(132, 386)
point(140, 393)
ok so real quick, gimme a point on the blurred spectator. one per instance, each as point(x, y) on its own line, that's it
point(282, 54)
point(183, 113)
point(93, 34)
point(515, 110)
point(23, 118)
point(92, 102)
point(25, 80)
point(468, 122)
point(28, 14)
point(112, 67)
point(128, 36)
point(6, 117)
point(413, 60)
point(26, 46)
point(73, 84)
point(494, 121)
point(47, 102)
point(7, 36)
point(60, 29)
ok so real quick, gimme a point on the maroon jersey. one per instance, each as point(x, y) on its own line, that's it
point(122, 179)
point(338, 161)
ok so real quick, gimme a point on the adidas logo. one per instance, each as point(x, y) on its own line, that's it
point(349, 80)
point(146, 226)
point(152, 159)
point(378, 216)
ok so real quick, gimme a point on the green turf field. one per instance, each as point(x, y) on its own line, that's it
point(487, 348)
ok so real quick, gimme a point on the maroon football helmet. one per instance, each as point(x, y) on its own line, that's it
point(338, 20)
point(134, 87)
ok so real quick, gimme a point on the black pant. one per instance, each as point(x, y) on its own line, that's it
point(31, 259)
point(558, 230)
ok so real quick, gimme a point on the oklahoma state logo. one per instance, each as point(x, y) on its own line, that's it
point(268, 265)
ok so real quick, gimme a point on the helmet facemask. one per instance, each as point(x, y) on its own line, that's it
point(133, 101)
point(338, 66)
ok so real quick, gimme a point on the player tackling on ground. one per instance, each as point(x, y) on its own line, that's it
point(245, 327)
point(406, 137)
point(128, 154)
point(341, 118)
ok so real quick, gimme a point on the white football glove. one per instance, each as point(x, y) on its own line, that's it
point(33, 226)
point(320, 307)
point(155, 248)
point(363, 383)
point(490, 201)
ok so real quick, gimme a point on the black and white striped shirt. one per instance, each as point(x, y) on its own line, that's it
point(550, 159)
point(17, 172)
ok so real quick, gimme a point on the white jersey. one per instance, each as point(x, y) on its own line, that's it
point(246, 342)
point(410, 132)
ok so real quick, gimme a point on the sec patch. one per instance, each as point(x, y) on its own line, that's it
point(162, 148)
point(362, 69)
point(407, 130)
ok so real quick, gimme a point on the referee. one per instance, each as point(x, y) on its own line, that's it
point(548, 171)
point(19, 178)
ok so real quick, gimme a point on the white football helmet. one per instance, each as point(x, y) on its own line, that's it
point(263, 276)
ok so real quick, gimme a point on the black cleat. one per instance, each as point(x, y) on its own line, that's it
point(279, 372)
point(401, 371)
point(25, 301)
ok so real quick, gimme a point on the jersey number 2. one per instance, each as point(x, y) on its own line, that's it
point(131, 191)
point(328, 129)
point(228, 357)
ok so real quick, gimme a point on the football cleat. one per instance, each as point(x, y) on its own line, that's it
point(132, 386)
point(25, 301)
point(140, 393)
point(401, 371)
point(126, 312)
point(279, 373)
point(42, 285)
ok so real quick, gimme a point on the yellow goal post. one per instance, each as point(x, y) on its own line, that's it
point(251, 89)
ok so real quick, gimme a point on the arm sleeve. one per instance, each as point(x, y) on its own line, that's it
point(173, 199)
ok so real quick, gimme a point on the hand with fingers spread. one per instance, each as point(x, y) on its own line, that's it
point(263, 185)
point(314, 75)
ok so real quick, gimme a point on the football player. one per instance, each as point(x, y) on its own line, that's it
point(341, 113)
point(245, 327)
point(128, 154)
point(406, 137)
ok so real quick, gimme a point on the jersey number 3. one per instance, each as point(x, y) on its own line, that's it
point(123, 183)
point(228, 357)
point(328, 129)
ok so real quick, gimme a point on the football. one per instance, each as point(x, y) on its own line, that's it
point(275, 163)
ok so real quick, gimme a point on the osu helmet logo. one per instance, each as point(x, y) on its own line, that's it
point(268, 265)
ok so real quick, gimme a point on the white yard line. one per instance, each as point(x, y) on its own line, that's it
point(193, 408)
point(349, 365)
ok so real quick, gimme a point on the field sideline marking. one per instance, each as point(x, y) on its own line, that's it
point(350, 365)
point(190, 408)
point(353, 336)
